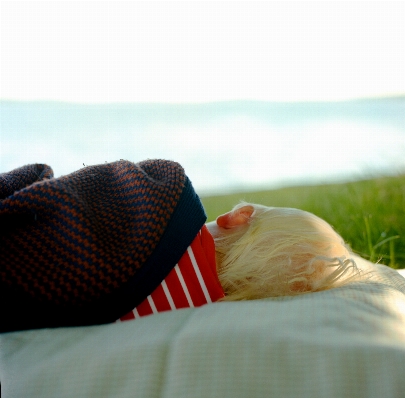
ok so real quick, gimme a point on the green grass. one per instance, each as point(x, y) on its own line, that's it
point(369, 215)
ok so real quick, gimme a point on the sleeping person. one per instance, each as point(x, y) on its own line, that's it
point(254, 252)
point(121, 240)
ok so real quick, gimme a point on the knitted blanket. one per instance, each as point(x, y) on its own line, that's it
point(88, 247)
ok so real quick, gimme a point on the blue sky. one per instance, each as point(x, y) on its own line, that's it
point(201, 51)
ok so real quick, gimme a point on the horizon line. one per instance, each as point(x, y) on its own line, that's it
point(399, 96)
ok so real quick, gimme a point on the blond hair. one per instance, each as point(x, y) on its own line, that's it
point(279, 252)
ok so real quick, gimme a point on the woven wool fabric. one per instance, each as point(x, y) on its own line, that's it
point(96, 241)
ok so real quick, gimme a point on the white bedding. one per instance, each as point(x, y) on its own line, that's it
point(346, 342)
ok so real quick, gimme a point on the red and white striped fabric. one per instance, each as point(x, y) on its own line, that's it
point(191, 283)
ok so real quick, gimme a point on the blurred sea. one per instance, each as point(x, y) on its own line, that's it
point(224, 146)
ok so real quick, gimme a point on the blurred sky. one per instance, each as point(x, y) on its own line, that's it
point(201, 51)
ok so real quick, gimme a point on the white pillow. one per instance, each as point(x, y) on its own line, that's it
point(348, 341)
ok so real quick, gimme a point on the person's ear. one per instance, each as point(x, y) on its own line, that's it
point(235, 217)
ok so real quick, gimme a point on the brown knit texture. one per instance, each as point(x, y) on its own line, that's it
point(77, 237)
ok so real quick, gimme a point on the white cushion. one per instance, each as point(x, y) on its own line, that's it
point(348, 341)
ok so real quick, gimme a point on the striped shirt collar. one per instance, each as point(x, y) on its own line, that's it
point(193, 282)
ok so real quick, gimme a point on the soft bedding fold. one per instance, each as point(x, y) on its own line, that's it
point(348, 341)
